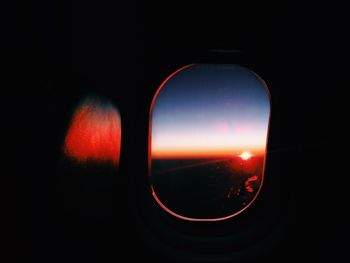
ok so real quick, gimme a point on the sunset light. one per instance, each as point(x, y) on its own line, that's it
point(245, 155)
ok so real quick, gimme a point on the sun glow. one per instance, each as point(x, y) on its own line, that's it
point(245, 155)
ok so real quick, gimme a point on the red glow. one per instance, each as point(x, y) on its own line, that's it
point(247, 183)
point(94, 134)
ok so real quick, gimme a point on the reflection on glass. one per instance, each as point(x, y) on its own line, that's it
point(94, 134)
point(208, 136)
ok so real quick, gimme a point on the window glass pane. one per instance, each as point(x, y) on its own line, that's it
point(208, 136)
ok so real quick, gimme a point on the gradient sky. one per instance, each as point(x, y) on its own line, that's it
point(210, 110)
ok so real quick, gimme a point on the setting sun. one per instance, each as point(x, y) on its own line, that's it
point(245, 155)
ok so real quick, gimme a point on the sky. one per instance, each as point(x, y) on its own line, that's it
point(210, 111)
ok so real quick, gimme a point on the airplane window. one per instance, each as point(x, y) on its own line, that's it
point(94, 134)
point(208, 138)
